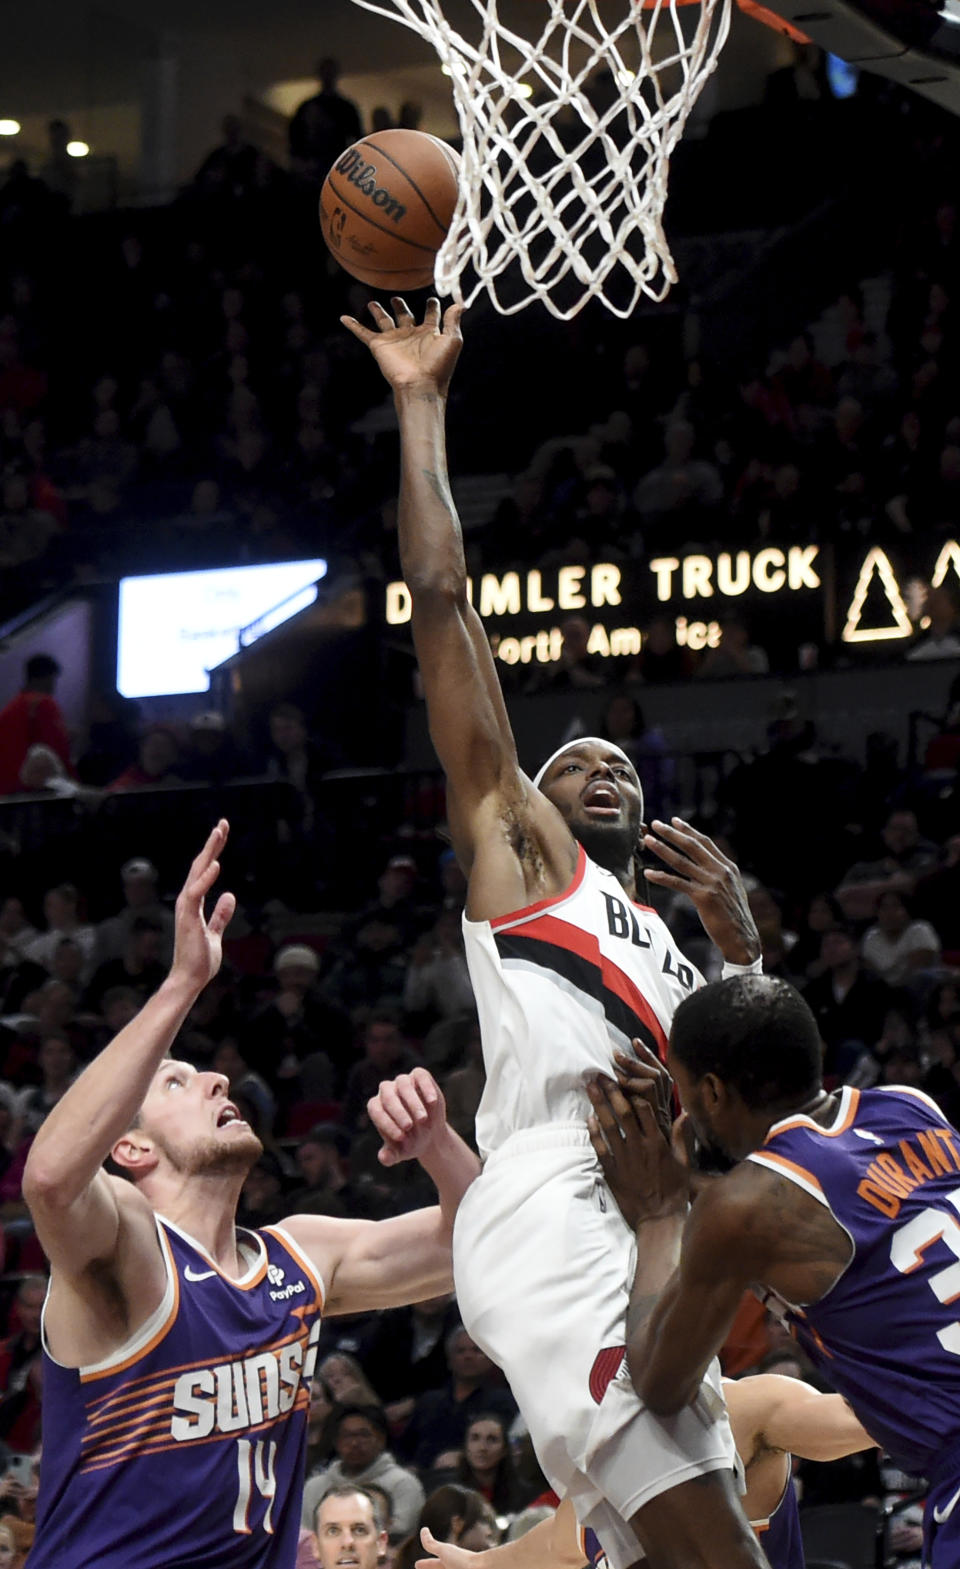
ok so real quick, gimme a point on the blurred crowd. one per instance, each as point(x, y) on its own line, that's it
point(175, 388)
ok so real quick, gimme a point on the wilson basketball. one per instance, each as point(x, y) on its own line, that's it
point(386, 206)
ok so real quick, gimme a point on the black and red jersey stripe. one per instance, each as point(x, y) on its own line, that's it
point(576, 956)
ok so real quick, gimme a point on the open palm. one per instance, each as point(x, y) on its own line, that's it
point(411, 354)
point(198, 942)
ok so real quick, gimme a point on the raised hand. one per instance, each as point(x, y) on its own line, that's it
point(644, 1176)
point(700, 870)
point(198, 942)
point(408, 1112)
point(411, 355)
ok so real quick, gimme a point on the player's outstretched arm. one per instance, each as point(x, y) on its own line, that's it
point(789, 1415)
point(553, 1544)
point(468, 719)
point(389, 1263)
point(74, 1204)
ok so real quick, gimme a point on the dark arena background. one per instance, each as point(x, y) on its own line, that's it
point(724, 533)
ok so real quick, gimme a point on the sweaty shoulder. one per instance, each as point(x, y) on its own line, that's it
point(773, 1230)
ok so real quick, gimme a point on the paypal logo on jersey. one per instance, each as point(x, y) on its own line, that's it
point(233, 1396)
point(276, 1277)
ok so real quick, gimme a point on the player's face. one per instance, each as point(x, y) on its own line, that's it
point(717, 1142)
point(598, 794)
point(346, 1533)
point(193, 1125)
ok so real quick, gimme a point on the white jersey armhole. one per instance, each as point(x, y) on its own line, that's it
point(150, 1331)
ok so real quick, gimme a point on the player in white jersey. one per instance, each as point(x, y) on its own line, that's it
point(567, 968)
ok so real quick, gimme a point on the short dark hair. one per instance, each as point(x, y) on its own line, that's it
point(344, 1490)
point(39, 667)
point(375, 1415)
point(756, 1034)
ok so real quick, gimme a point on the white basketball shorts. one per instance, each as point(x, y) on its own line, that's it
point(543, 1264)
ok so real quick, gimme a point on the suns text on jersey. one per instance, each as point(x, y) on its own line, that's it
point(245, 1392)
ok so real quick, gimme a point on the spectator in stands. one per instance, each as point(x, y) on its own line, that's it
point(457, 1515)
point(897, 946)
point(57, 1061)
point(111, 738)
point(736, 654)
point(904, 857)
point(32, 717)
point(360, 1442)
point(396, 903)
point(20, 1363)
point(823, 912)
point(682, 485)
point(300, 1023)
point(26, 532)
point(321, 1158)
point(16, 932)
point(661, 658)
point(141, 967)
point(438, 983)
point(347, 1382)
point(297, 756)
point(576, 670)
point(61, 911)
point(346, 1527)
point(403, 1353)
point(323, 126)
point(937, 899)
point(321, 1409)
point(942, 641)
point(486, 1464)
point(229, 171)
point(157, 765)
point(212, 755)
point(376, 968)
point(385, 1054)
point(849, 1003)
point(139, 879)
point(436, 1430)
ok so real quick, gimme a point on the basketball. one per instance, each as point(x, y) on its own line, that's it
point(386, 206)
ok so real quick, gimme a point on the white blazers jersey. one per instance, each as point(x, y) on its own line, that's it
point(558, 986)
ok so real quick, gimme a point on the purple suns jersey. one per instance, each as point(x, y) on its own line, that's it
point(779, 1534)
point(187, 1447)
point(887, 1334)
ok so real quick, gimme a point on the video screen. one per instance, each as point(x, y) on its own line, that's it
point(175, 627)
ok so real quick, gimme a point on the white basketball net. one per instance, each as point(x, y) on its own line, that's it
point(555, 181)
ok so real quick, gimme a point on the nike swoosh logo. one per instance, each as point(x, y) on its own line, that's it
point(189, 1274)
point(940, 1515)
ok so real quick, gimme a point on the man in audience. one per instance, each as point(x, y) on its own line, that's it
point(904, 857)
point(440, 1416)
point(32, 717)
point(323, 126)
point(848, 1002)
point(347, 1528)
point(139, 879)
point(360, 1442)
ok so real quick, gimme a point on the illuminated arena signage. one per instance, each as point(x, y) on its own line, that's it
point(697, 588)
